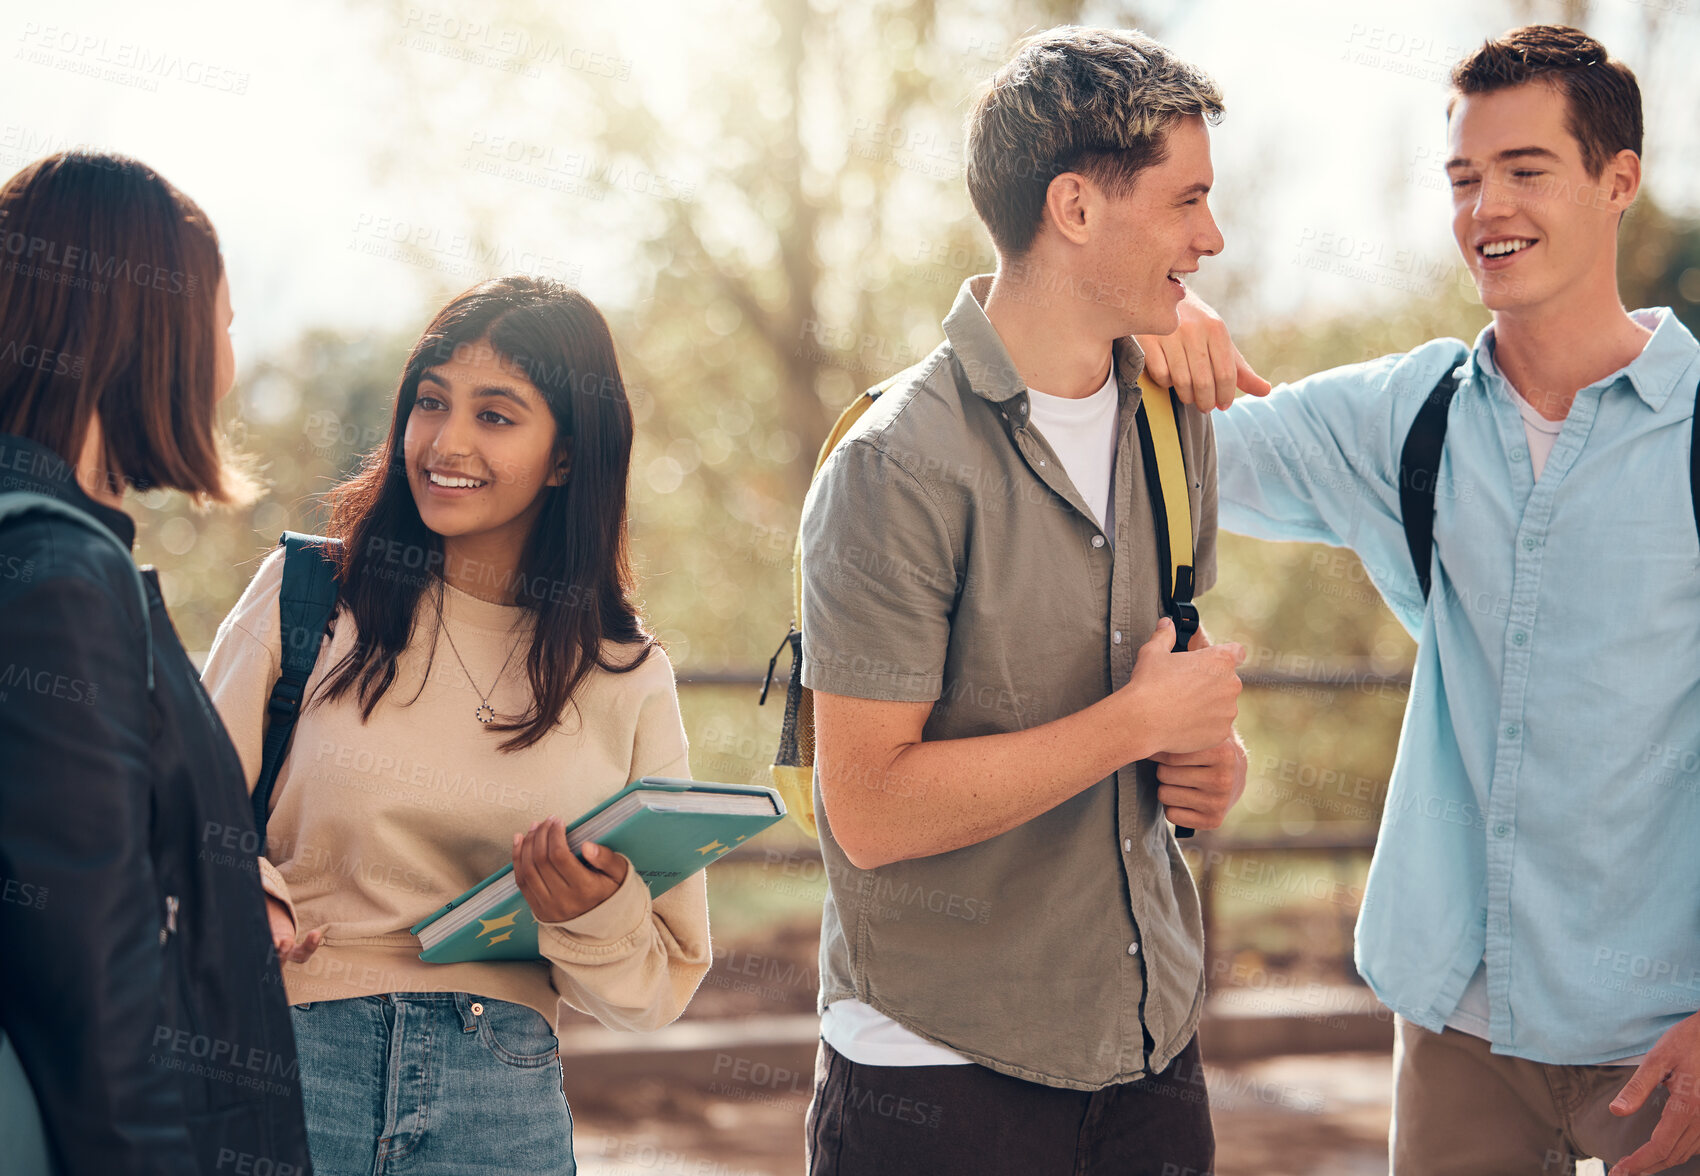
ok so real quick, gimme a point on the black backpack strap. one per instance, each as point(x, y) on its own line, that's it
point(306, 603)
point(1176, 594)
point(1419, 466)
point(1694, 462)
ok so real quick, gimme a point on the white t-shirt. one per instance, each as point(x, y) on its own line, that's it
point(1540, 431)
point(870, 1038)
point(1471, 1015)
point(1083, 434)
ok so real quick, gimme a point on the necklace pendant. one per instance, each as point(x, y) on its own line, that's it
point(486, 713)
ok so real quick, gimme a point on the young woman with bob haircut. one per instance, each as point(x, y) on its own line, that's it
point(487, 678)
point(139, 987)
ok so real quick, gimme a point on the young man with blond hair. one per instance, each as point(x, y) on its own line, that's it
point(1533, 911)
point(1011, 956)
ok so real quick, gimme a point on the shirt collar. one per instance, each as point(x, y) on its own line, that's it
point(26, 465)
point(991, 373)
point(1666, 363)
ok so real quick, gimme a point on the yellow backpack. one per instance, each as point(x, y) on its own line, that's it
point(793, 766)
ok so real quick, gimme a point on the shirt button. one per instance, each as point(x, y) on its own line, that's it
point(1528, 544)
point(1133, 949)
point(1116, 637)
point(1127, 845)
point(1519, 637)
point(1502, 830)
point(477, 1009)
point(1518, 455)
point(1041, 463)
point(1511, 731)
point(1097, 540)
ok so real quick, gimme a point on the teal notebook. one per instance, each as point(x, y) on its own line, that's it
point(669, 829)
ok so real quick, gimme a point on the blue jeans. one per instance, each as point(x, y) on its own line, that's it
point(431, 1084)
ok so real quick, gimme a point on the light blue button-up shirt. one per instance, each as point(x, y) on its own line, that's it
point(1544, 810)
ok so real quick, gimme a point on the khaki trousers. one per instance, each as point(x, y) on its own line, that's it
point(1461, 1110)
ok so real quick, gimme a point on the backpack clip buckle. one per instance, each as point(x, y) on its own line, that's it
point(285, 699)
point(1185, 616)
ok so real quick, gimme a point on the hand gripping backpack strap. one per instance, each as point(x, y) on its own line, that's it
point(793, 768)
point(306, 603)
point(18, 502)
point(1419, 467)
point(1171, 510)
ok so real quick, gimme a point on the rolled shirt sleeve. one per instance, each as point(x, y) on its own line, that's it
point(879, 580)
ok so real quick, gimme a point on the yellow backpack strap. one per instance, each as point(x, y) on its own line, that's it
point(1170, 501)
point(1171, 507)
point(793, 769)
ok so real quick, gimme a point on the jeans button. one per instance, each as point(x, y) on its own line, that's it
point(477, 1009)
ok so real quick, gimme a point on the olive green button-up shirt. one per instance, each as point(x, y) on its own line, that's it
point(948, 558)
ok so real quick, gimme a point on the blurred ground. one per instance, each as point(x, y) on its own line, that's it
point(726, 1093)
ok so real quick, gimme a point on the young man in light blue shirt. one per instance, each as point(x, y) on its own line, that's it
point(1533, 909)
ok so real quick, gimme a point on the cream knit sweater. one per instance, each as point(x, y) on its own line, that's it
point(375, 825)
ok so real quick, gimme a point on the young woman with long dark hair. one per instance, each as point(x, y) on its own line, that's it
point(138, 985)
point(487, 678)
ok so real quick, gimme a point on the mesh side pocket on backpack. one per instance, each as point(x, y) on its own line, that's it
point(796, 748)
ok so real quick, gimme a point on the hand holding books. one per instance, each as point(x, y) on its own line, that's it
point(556, 883)
point(666, 830)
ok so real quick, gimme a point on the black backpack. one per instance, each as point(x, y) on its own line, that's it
point(306, 602)
point(1419, 466)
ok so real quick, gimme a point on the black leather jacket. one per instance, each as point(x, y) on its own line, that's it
point(138, 982)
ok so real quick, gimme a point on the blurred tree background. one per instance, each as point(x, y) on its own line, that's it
point(802, 226)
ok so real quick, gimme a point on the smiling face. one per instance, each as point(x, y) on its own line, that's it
point(1533, 226)
point(481, 448)
point(1146, 240)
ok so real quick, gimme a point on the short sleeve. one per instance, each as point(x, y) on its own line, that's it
point(879, 580)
